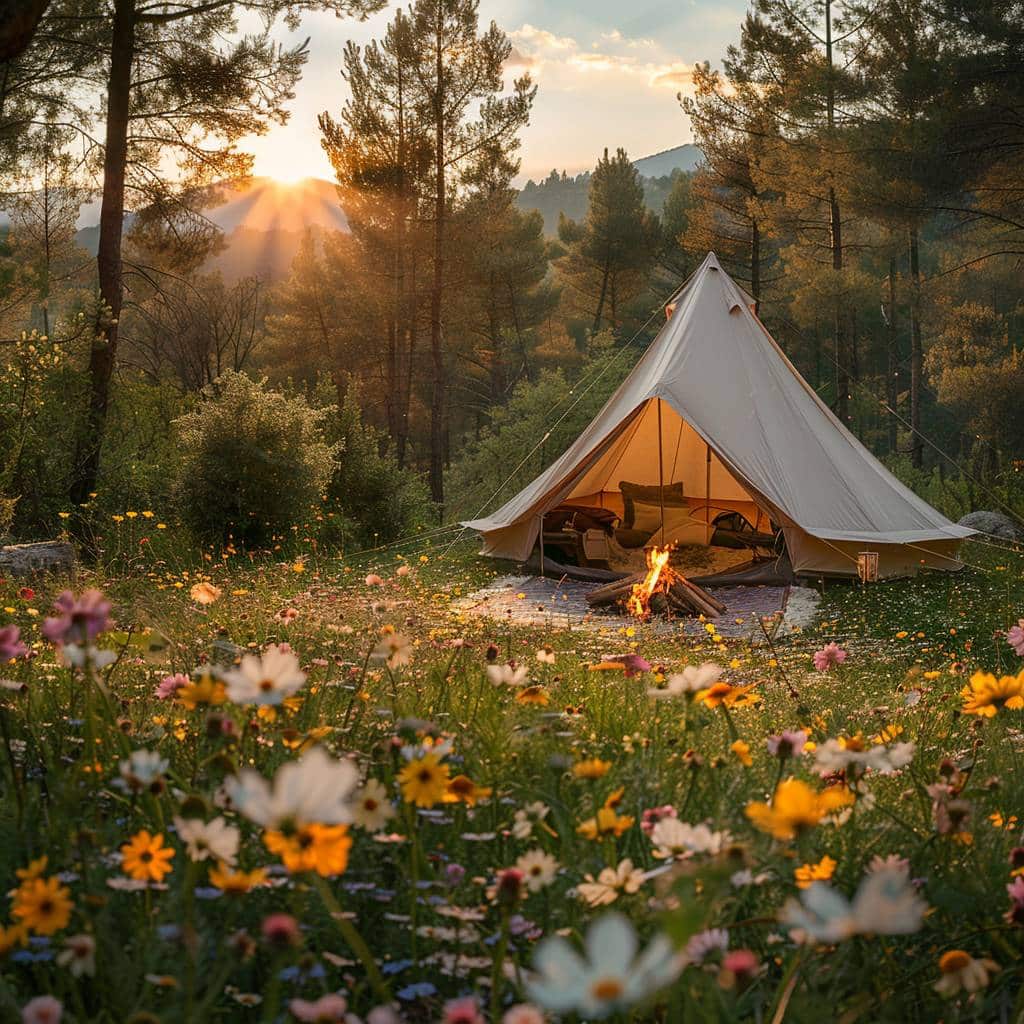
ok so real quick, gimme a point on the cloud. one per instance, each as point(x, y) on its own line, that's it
point(677, 75)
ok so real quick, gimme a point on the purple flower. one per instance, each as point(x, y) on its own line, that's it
point(789, 743)
point(1015, 638)
point(79, 619)
point(170, 685)
point(829, 655)
point(10, 644)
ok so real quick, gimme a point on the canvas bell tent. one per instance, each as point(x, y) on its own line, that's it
point(714, 419)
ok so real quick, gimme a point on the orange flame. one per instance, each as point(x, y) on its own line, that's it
point(639, 601)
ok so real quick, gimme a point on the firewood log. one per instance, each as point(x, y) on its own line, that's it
point(719, 607)
point(615, 591)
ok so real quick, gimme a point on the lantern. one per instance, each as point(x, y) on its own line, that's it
point(867, 566)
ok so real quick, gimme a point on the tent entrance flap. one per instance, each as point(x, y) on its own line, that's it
point(660, 449)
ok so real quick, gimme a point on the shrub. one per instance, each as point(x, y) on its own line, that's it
point(254, 462)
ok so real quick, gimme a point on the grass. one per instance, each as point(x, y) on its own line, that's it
point(422, 914)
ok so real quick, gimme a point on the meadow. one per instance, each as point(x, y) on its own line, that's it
point(305, 788)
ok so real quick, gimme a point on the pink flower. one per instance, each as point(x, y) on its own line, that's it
point(373, 580)
point(281, 929)
point(463, 1011)
point(829, 655)
point(523, 1013)
point(632, 664)
point(652, 815)
point(789, 743)
point(1015, 890)
point(1015, 638)
point(739, 969)
point(79, 619)
point(324, 1010)
point(402, 570)
point(42, 1010)
point(10, 643)
point(170, 685)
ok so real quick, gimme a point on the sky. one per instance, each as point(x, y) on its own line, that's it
point(607, 72)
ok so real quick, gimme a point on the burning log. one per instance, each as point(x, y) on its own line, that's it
point(660, 590)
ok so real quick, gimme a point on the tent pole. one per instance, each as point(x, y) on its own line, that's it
point(541, 537)
point(707, 496)
point(661, 476)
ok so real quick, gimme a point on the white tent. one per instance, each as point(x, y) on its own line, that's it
point(715, 405)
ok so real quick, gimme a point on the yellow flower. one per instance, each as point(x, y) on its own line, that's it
point(810, 873)
point(145, 858)
point(796, 807)
point(204, 690)
point(320, 848)
point(298, 567)
point(594, 768)
point(986, 694)
point(731, 696)
point(535, 695)
point(14, 935)
point(462, 789)
point(43, 905)
point(607, 821)
point(147, 514)
point(35, 869)
point(236, 882)
point(742, 750)
point(424, 781)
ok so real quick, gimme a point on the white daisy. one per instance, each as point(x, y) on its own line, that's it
point(689, 681)
point(508, 675)
point(538, 869)
point(609, 883)
point(203, 840)
point(371, 808)
point(142, 769)
point(265, 680)
point(674, 838)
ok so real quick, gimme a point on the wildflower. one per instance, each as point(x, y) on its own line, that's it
point(807, 874)
point(609, 883)
point(201, 691)
point(949, 811)
point(43, 905)
point(629, 664)
point(612, 977)
point(145, 858)
point(522, 1013)
point(796, 807)
point(508, 887)
point(607, 821)
point(546, 656)
point(315, 788)
point(742, 750)
point(280, 930)
point(594, 768)
point(674, 838)
point(371, 808)
point(236, 882)
point(373, 580)
point(538, 869)
point(891, 863)
point(739, 968)
point(462, 789)
point(79, 620)
point(704, 945)
point(1015, 638)
point(960, 970)
point(788, 743)
point(11, 936)
point(170, 685)
point(463, 1011)
point(143, 770)
point(424, 781)
point(689, 682)
point(843, 755)
point(78, 955)
point(329, 1009)
point(265, 680)
point(536, 696)
point(1015, 890)
point(313, 847)
point(527, 817)
point(204, 593)
point(885, 904)
point(203, 840)
point(507, 675)
point(393, 649)
point(10, 643)
point(986, 695)
point(652, 815)
point(42, 1010)
point(829, 655)
point(726, 694)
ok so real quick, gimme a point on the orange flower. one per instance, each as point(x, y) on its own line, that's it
point(796, 807)
point(320, 848)
point(43, 904)
point(607, 821)
point(236, 882)
point(463, 789)
point(807, 874)
point(145, 858)
point(594, 768)
point(723, 693)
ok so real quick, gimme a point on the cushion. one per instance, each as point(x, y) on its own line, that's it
point(650, 494)
point(647, 516)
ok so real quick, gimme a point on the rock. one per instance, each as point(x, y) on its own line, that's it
point(993, 523)
point(53, 557)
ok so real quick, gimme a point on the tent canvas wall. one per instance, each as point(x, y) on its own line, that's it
point(715, 404)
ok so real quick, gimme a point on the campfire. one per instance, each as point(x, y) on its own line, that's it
point(660, 590)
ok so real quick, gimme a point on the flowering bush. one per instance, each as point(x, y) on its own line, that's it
point(353, 815)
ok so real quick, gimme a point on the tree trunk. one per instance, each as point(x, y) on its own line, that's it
point(600, 301)
point(437, 288)
point(755, 265)
point(916, 356)
point(108, 255)
point(892, 361)
point(842, 377)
